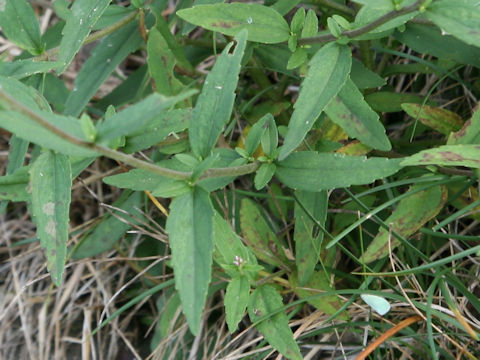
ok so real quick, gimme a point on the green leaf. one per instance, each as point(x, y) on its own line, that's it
point(373, 10)
point(103, 60)
point(385, 101)
point(229, 248)
point(215, 103)
point(14, 186)
point(51, 183)
point(20, 69)
point(236, 301)
point(264, 175)
point(20, 25)
point(311, 171)
point(310, 27)
point(461, 18)
point(141, 180)
point(329, 69)
point(270, 137)
point(363, 77)
point(80, 21)
point(297, 59)
point(190, 229)
point(297, 21)
point(308, 238)
point(264, 24)
point(27, 129)
point(137, 116)
point(166, 123)
point(319, 282)
point(110, 230)
point(265, 301)
point(442, 120)
point(255, 135)
point(470, 132)
point(161, 63)
point(447, 155)
point(409, 216)
point(22, 93)
point(350, 111)
point(430, 40)
point(258, 235)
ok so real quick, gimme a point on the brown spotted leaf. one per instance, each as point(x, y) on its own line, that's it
point(51, 183)
point(447, 155)
point(410, 215)
point(264, 24)
point(442, 120)
point(469, 133)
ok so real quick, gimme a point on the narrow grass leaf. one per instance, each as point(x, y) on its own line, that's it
point(236, 301)
point(311, 171)
point(307, 236)
point(103, 60)
point(20, 26)
point(447, 155)
point(407, 218)
point(264, 304)
point(442, 120)
point(352, 113)
point(81, 19)
point(215, 103)
point(51, 183)
point(264, 24)
point(460, 18)
point(329, 69)
point(110, 229)
point(190, 229)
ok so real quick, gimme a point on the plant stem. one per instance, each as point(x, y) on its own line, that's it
point(365, 29)
point(122, 157)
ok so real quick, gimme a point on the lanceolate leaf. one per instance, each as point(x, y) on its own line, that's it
point(263, 23)
point(105, 57)
point(308, 237)
point(352, 113)
point(190, 229)
point(311, 171)
point(329, 69)
point(81, 19)
point(25, 128)
point(20, 25)
point(51, 183)
point(461, 18)
point(14, 186)
point(215, 103)
point(442, 120)
point(236, 300)
point(409, 216)
point(265, 301)
point(111, 229)
point(137, 116)
point(447, 155)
